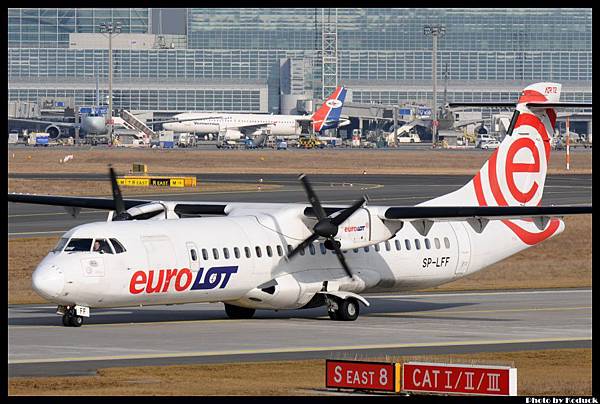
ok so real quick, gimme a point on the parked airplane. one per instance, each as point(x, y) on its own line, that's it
point(288, 256)
point(237, 126)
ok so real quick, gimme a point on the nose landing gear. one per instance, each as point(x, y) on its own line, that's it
point(70, 316)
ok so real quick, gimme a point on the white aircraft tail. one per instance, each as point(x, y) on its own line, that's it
point(515, 173)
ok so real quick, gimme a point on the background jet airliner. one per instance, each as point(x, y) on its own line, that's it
point(237, 126)
point(287, 256)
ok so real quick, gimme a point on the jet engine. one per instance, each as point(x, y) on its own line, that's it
point(53, 131)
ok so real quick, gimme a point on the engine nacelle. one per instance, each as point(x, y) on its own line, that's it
point(53, 131)
point(284, 292)
point(231, 134)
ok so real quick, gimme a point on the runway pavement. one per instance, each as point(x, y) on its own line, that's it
point(38, 220)
point(394, 324)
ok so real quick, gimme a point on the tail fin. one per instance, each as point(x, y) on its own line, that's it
point(328, 116)
point(515, 173)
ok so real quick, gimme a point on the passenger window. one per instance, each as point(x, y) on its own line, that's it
point(311, 248)
point(226, 253)
point(323, 249)
point(427, 244)
point(279, 250)
point(269, 251)
point(387, 246)
point(377, 247)
point(193, 254)
point(258, 252)
point(446, 242)
point(355, 250)
point(407, 244)
point(236, 252)
point(367, 249)
point(117, 246)
point(79, 244)
point(417, 244)
point(397, 242)
point(215, 253)
point(247, 251)
point(101, 246)
point(437, 243)
point(204, 254)
point(290, 249)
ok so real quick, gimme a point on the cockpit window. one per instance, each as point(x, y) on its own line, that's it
point(117, 246)
point(101, 246)
point(79, 244)
point(61, 244)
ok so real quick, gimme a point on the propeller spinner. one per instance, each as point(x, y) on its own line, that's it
point(326, 226)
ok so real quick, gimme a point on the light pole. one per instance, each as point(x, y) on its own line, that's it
point(434, 31)
point(111, 30)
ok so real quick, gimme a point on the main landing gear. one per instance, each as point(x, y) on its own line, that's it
point(70, 317)
point(237, 312)
point(342, 309)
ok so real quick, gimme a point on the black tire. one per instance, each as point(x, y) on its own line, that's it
point(76, 321)
point(237, 312)
point(333, 315)
point(348, 310)
point(66, 320)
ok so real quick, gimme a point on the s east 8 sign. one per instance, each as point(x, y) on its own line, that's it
point(362, 375)
point(459, 379)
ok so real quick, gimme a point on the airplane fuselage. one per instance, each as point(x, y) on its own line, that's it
point(274, 124)
point(225, 258)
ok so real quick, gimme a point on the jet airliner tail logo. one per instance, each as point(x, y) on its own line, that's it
point(328, 116)
point(515, 173)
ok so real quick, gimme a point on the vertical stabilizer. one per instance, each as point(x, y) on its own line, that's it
point(328, 116)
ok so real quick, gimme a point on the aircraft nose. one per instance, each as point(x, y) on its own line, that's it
point(48, 281)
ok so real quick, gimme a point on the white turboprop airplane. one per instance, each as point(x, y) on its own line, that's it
point(237, 126)
point(288, 256)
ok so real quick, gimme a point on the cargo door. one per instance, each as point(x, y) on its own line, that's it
point(159, 252)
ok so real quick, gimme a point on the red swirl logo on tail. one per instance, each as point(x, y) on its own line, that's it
point(519, 180)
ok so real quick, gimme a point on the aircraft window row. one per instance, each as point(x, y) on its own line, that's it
point(83, 245)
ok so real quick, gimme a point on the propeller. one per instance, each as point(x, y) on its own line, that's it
point(326, 226)
point(121, 213)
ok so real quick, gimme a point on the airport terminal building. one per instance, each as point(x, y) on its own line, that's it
point(265, 60)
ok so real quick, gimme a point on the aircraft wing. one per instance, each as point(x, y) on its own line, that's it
point(445, 213)
point(423, 217)
point(66, 124)
point(109, 204)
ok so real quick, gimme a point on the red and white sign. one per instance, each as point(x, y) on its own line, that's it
point(459, 379)
point(362, 375)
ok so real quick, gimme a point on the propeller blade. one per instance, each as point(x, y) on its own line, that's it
point(117, 197)
point(342, 259)
point(346, 213)
point(302, 245)
point(312, 198)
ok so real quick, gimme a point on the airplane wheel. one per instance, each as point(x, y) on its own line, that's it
point(76, 321)
point(333, 314)
point(236, 312)
point(66, 320)
point(348, 310)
